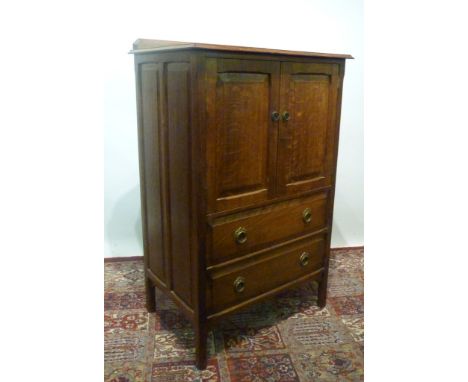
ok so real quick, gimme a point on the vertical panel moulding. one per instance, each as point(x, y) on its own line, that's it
point(149, 87)
point(179, 154)
point(141, 158)
point(209, 86)
point(199, 180)
point(336, 93)
point(198, 204)
point(165, 199)
point(334, 122)
point(282, 163)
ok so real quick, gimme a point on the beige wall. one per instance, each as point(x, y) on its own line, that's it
point(322, 26)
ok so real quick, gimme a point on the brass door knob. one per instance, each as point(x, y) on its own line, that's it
point(285, 116)
point(275, 116)
point(307, 215)
point(240, 235)
point(304, 259)
point(239, 285)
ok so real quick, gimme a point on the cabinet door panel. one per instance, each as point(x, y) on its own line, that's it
point(306, 146)
point(242, 138)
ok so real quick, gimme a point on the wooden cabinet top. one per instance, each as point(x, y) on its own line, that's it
point(148, 46)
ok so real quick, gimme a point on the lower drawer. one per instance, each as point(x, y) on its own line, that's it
point(235, 284)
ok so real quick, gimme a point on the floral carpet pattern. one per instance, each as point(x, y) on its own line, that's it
point(285, 339)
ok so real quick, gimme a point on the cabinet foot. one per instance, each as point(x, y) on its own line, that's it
point(322, 292)
point(201, 356)
point(150, 296)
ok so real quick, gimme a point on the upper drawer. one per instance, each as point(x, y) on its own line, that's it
point(237, 234)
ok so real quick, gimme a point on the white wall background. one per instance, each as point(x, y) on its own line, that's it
point(333, 26)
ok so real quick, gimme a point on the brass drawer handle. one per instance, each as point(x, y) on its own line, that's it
point(307, 215)
point(240, 235)
point(285, 116)
point(304, 259)
point(239, 285)
point(275, 116)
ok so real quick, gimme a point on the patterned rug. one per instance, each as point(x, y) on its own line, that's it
point(284, 339)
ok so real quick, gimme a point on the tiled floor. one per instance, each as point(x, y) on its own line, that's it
point(283, 339)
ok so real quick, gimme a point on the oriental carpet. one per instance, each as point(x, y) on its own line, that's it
point(285, 339)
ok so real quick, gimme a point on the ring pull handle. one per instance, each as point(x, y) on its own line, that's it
point(275, 116)
point(239, 284)
point(304, 259)
point(307, 215)
point(285, 116)
point(240, 235)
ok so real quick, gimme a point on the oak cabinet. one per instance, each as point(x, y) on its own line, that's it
point(238, 150)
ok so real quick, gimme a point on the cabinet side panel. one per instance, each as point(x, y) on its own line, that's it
point(179, 149)
point(149, 85)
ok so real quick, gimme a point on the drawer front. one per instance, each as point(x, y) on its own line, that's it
point(237, 283)
point(241, 233)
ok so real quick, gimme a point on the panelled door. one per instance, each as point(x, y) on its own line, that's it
point(254, 155)
point(242, 135)
point(307, 129)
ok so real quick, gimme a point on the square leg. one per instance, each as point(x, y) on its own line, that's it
point(150, 296)
point(322, 290)
point(201, 356)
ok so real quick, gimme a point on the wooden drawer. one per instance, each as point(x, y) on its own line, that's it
point(244, 280)
point(237, 234)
